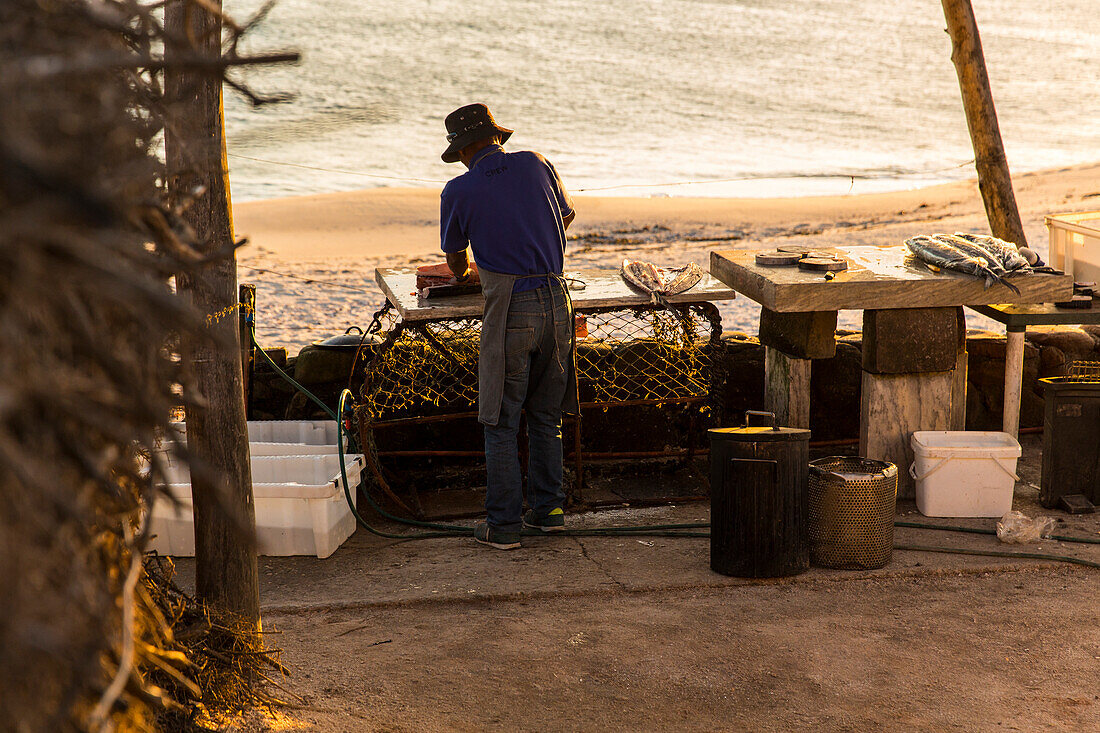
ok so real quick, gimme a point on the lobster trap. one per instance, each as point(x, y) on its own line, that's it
point(418, 399)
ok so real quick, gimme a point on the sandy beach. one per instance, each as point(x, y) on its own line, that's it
point(313, 258)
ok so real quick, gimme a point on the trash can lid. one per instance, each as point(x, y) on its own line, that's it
point(759, 434)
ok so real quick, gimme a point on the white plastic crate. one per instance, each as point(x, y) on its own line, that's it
point(300, 506)
point(306, 432)
point(964, 473)
point(256, 449)
point(1075, 244)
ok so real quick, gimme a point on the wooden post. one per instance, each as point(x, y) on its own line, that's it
point(787, 388)
point(1014, 377)
point(892, 408)
point(962, 367)
point(225, 559)
point(994, 180)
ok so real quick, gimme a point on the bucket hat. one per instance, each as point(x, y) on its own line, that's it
point(468, 125)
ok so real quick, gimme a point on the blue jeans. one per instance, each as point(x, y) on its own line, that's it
point(535, 382)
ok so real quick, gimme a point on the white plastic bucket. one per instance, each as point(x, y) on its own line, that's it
point(964, 473)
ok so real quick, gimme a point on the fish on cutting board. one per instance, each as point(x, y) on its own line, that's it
point(428, 276)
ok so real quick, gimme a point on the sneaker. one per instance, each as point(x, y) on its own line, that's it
point(497, 538)
point(552, 522)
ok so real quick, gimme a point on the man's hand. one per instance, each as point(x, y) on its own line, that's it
point(567, 220)
point(459, 262)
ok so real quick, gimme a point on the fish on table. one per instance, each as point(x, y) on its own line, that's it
point(661, 282)
point(1006, 252)
point(951, 253)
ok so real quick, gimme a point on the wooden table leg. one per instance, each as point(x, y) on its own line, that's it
point(893, 407)
point(787, 388)
point(910, 359)
point(958, 391)
point(958, 387)
point(1014, 376)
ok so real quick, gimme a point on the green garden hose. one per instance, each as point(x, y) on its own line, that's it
point(978, 530)
point(1000, 553)
point(652, 530)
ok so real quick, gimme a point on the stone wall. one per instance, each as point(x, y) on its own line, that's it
point(835, 385)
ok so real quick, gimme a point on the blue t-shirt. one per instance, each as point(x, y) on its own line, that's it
point(508, 208)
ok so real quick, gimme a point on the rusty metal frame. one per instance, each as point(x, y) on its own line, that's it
point(712, 398)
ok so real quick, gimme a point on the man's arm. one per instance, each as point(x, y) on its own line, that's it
point(568, 218)
point(459, 262)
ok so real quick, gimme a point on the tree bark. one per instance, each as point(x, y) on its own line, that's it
point(994, 180)
point(217, 433)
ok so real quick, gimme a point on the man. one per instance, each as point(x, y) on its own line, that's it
point(512, 210)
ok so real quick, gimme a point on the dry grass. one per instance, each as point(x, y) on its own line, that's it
point(90, 331)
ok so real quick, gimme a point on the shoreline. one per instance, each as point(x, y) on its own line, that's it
point(325, 247)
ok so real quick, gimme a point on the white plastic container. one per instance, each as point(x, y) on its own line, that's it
point(256, 449)
point(1075, 244)
point(300, 506)
point(964, 473)
point(308, 432)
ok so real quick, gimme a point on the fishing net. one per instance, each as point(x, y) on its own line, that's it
point(416, 375)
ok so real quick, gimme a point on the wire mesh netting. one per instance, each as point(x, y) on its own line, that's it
point(429, 368)
point(419, 389)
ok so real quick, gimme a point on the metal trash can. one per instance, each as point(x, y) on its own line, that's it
point(758, 500)
point(852, 504)
point(1071, 437)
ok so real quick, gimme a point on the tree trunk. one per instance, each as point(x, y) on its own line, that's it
point(994, 180)
point(217, 434)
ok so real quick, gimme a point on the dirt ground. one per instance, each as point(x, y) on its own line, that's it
point(638, 634)
point(1002, 650)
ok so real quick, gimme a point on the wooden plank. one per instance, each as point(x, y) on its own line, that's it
point(595, 288)
point(877, 277)
point(787, 388)
point(892, 407)
point(1038, 314)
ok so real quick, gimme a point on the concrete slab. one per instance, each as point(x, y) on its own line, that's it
point(368, 571)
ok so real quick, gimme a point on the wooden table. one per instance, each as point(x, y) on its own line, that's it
point(590, 289)
point(1016, 319)
point(594, 291)
point(878, 280)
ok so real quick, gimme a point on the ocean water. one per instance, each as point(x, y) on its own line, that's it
point(660, 97)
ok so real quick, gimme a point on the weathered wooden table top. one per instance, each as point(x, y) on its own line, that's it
point(602, 288)
point(876, 278)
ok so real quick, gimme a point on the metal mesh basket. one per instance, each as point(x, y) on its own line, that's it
point(1084, 371)
point(852, 504)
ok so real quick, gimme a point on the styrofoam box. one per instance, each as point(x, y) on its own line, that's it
point(964, 473)
point(300, 506)
point(1075, 244)
point(308, 432)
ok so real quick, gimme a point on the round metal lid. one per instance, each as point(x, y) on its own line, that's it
point(346, 340)
point(759, 434)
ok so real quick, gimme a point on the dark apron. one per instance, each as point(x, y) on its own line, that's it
point(497, 289)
